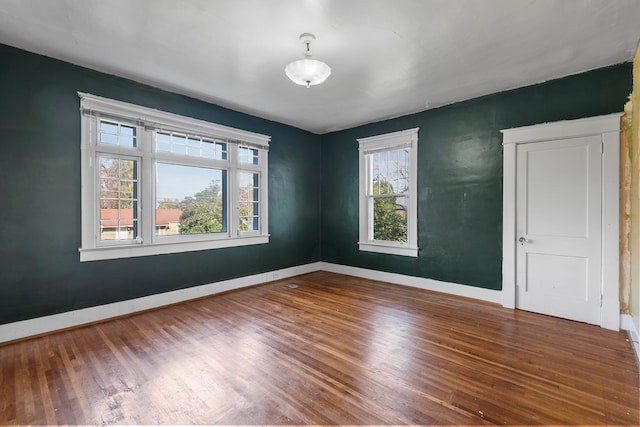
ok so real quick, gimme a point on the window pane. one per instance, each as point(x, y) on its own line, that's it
point(117, 134)
point(190, 200)
point(118, 199)
point(107, 127)
point(194, 151)
point(248, 155)
point(249, 201)
point(390, 172)
point(194, 146)
point(178, 144)
point(390, 219)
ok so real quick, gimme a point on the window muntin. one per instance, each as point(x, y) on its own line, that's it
point(249, 215)
point(388, 193)
point(167, 183)
point(248, 155)
point(118, 201)
point(114, 133)
point(190, 145)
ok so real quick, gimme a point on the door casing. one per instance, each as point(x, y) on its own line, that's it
point(608, 127)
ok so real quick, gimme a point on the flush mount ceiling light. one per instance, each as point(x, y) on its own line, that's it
point(307, 72)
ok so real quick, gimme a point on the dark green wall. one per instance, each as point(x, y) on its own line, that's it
point(459, 176)
point(40, 272)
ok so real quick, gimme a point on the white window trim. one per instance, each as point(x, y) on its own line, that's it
point(390, 141)
point(147, 120)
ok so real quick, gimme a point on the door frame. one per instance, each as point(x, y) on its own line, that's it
point(608, 127)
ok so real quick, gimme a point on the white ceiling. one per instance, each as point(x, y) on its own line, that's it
point(388, 57)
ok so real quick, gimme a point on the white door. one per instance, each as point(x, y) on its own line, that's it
point(559, 228)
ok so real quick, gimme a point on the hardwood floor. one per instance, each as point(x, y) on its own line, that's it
point(334, 350)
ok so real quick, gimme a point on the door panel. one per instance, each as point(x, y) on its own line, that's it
point(558, 218)
point(555, 179)
point(557, 276)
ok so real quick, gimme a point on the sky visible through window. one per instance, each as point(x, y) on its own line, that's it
point(390, 172)
point(175, 182)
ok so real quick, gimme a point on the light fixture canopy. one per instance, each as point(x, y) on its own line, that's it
point(307, 72)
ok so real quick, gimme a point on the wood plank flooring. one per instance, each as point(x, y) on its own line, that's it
point(334, 350)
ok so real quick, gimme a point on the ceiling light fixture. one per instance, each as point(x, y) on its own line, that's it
point(307, 72)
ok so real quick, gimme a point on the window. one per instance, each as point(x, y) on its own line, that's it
point(156, 182)
point(388, 193)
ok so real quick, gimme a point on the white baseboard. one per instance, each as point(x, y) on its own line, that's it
point(626, 323)
point(489, 295)
point(55, 322)
point(45, 324)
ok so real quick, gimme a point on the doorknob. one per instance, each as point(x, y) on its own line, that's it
point(523, 240)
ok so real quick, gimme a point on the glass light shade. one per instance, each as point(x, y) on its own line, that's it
point(307, 72)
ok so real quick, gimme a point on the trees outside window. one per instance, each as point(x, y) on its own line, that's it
point(203, 213)
point(388, 205)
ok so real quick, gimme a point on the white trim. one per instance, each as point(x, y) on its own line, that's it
point(610, 311)
point(387, 141)
point(609, 127)
point(116, 252)
point(162, 120)
point(562, 129)
point(390, 249)
point(509, 227)
point(41, 325)
point(482, 294)
point(626, 323)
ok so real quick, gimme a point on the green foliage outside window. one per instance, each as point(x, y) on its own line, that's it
point(389, 215)
point(202, 213)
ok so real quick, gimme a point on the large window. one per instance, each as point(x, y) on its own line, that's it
point(155, 182)
point(388, 205)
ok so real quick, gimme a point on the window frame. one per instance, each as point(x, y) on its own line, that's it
point(367, 147)
point(115, 154)
point(148, 122)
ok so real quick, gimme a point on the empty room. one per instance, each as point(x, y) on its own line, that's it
point(319, 212)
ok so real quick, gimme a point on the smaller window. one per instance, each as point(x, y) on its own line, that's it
point(390, 185)
point(388, 193)
point(117, 134)
point(249, 201)
point(118, 198)
point(248, 155)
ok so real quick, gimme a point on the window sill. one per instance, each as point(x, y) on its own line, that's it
point(387, 249)
point(131, 251)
